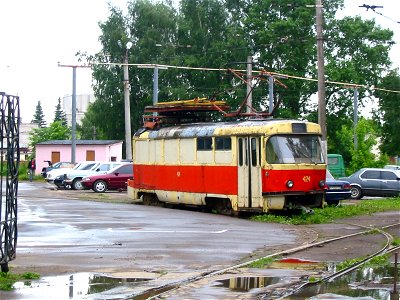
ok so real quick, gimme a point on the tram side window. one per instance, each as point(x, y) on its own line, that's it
point(204, 144)
point(253, 145)
point(223, 150)
point(223, 143)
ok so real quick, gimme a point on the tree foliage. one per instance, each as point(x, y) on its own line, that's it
point(56, 131)
point(38, 117)
point(59, 114)
point(389, 109)
point(279, 35)
point(364, 154)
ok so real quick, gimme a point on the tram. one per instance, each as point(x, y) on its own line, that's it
point(257, 165)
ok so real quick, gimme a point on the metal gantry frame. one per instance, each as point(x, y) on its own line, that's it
point(9, 165)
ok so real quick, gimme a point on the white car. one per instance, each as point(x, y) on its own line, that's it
point(51, 175)
point(73, 178)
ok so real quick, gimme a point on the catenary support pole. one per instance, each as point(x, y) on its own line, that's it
point(249, 89)
point(355, 118)
point(73, 115)
point(321, 76)
point(271, 93)
point(128, 137)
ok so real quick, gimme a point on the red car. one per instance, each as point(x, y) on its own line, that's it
point(115, 179)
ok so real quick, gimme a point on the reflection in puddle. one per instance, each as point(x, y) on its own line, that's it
point(299, 264)
point(76, 286)
point(371, 283)
point(245, 284)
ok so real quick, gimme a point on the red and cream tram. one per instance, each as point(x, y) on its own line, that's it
point(252, 165)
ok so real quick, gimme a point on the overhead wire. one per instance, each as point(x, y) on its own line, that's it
point(374, 7)
point(346, 84)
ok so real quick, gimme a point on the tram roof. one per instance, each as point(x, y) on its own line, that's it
point(256, 126)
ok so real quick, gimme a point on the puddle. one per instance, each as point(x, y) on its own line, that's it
point(76, 286)
point(245, 284)
point(370, 283)
point(300, 264)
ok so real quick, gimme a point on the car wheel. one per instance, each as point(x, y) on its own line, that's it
point(77, 184)
point(356, 192)
point(100, 186)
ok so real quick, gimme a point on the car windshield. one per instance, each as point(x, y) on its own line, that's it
point(77, 166)
point(56, 165)
point(84, 166)
point(288, 149)
point(115, 168)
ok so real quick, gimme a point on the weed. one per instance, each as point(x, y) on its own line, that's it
point(347, 263)
point(372, 231)
point(396, 242)
point(30, 275)
point(163, 272)
point(329, 214)
point(261, 263)
point(7, 280)
point(381, 260)
point(313, 279)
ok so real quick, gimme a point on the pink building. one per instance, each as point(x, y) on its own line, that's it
point(89, 150)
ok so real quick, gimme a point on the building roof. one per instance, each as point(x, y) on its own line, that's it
point(81, 142)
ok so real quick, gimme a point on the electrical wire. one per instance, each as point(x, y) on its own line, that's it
point(281, 75)
point(373, 7)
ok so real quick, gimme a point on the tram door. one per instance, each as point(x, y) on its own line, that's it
point(249, 172)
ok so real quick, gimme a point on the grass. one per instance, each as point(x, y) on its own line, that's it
point(261, 263)
point(330, 214)
point(7, 280)
point(381, 260)
point(396, 242)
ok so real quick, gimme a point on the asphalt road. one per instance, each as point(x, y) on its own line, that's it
point(61, 234)
point(101, 246)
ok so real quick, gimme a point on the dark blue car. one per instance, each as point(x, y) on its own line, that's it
point(336, 189)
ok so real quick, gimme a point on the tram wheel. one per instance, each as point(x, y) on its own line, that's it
point(223, 207)
point(151, 200)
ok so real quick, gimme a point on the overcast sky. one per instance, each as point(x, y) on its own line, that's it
point(36, 35)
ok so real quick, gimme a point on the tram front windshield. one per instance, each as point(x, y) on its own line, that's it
point(291, 149)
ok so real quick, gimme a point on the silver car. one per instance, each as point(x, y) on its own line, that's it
point(374, 182)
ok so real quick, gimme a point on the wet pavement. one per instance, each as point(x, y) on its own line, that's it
point(60, 235)
point(104, 247)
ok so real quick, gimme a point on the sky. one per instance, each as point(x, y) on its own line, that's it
point(37, 35)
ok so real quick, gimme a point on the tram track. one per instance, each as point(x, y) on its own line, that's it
point(161, 291)
point(329, 278)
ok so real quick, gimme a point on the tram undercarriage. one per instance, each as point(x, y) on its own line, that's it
point(229, 205)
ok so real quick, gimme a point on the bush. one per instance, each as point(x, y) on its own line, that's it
point(22, 171)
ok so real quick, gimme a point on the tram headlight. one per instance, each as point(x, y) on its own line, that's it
point(322, 184)
point(289, 184)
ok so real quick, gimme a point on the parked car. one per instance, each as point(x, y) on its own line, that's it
point(57, 165)
point(51, 175)
point(374, 182)
point(54, 176)
point(73, 178)
point(115, 179)
point(336, 189)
